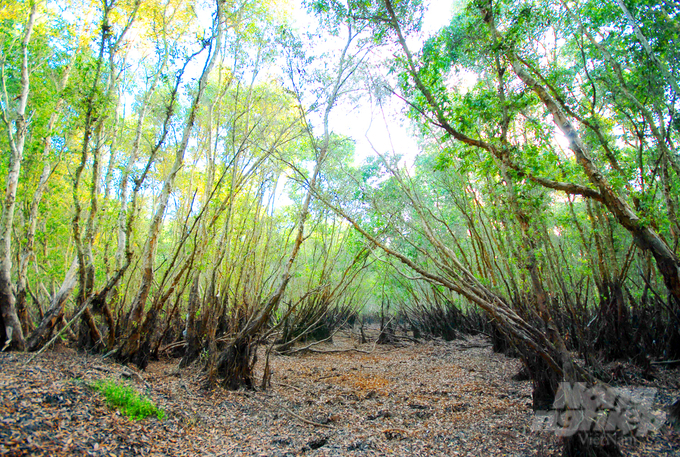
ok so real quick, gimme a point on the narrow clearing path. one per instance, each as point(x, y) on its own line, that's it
point(436, 398)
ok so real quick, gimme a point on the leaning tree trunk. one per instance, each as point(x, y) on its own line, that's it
point(645, 237)
point(547, 345)
point(545, 381)
point(11, 333)
point(55, 313)
point(131, 342)
point(235, 363)
point(579, 444)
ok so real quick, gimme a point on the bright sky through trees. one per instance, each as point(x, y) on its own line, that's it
point(389, 130)
point(385, 129)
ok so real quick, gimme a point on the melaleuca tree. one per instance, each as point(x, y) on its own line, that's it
point(498, 85)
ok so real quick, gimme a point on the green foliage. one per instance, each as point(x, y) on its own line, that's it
point(127, 399)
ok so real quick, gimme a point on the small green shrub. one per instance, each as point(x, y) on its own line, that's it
point(127, 399)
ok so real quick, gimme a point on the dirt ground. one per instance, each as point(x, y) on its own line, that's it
point(434, 398)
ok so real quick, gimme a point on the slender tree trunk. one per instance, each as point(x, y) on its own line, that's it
point(56, 311)
point(11, 332)
point(235, 364)
point(92, 124)
point(126, 213)
point(27, 252)
point(131, 343)
point(190, 334)
point(668, 76)
point(645, 237)
point(95, 117)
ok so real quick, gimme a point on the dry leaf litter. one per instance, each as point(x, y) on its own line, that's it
point(431, 399)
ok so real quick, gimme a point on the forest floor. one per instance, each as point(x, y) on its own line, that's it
point(435, 398)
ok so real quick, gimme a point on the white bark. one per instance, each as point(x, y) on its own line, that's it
point(149, 253)
point(16, 132)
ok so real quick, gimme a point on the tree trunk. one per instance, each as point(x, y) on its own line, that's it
point(11, 332)
point(235, 364)
point(190, 334)
point(56, 311)
point(130, 344)
point(645, 237)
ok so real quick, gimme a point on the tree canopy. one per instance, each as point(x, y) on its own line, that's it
point(175, 182)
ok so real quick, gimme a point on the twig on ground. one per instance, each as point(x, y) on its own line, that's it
point(665, 362)
point(328, 376)
point(289, 385)
point(474, 346)
point(294, 350)
point(336, 351)
point(400, 430)
point(306, 421)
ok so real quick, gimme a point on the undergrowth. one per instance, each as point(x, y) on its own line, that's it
point(127, 399)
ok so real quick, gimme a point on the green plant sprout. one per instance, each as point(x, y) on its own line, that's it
point(127, 399)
